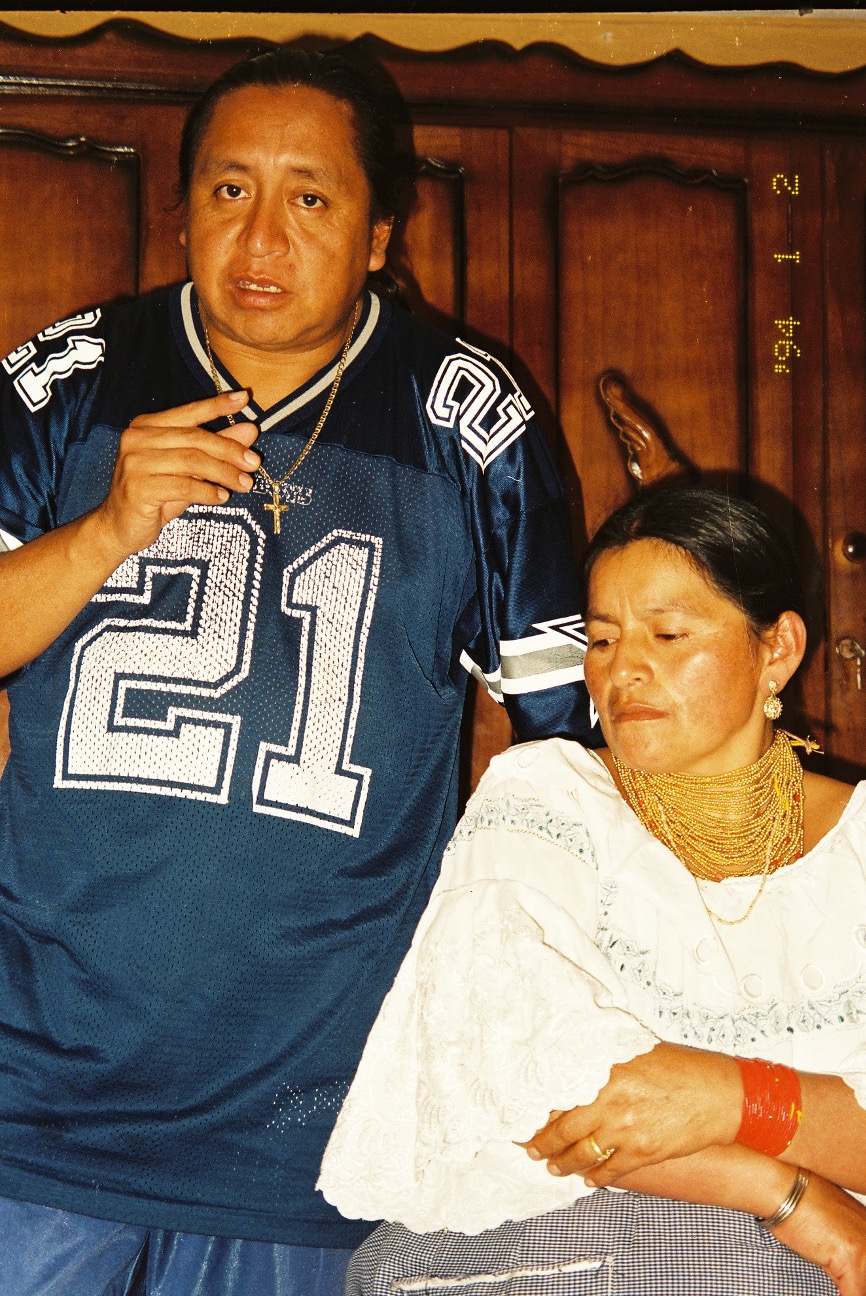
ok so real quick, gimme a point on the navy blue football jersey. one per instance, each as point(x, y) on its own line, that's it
point(234, 773)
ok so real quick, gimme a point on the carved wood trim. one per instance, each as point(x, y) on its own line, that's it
point(125, 57)
point(660, 167)
point(73, 146)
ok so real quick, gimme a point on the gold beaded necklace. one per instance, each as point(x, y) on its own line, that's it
point(277, 506)
point(742, 824)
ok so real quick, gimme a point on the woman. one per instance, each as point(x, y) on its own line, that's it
point(614, 936)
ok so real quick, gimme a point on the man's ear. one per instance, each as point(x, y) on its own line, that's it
point(379, 243)
point(786, 646)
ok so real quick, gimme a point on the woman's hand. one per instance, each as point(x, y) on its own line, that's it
point(829, 1228)
point(667, 1103)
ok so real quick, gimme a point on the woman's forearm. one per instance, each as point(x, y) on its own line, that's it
point(675, 1101)
point(827, 1228)
point(734, 1177)
point(831, 1138)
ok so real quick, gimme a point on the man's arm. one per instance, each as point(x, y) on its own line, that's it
point(166, 462)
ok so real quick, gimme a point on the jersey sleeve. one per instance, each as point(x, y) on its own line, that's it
point(46, 386)
point(522, 634)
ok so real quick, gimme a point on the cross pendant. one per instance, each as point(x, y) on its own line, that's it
point(277, 507)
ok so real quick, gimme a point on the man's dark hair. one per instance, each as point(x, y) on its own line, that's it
point(335, 75)
point(729, 540)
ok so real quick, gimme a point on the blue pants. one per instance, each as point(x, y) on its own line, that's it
point(46, 1252)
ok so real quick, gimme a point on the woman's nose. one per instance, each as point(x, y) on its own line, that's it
point(629, 662)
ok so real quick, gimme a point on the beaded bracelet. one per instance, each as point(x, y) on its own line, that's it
point(789, 1205)
point(771, 1106)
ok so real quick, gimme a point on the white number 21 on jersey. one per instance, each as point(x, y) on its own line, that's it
point(106, 741)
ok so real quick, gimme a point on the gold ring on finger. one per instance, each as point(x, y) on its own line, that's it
point(600, 1156)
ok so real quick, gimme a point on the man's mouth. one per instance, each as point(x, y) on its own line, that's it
point(248, 285)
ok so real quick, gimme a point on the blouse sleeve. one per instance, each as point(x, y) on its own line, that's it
point(503, 1010)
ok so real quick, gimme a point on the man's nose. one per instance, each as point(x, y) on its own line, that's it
point(266, 230)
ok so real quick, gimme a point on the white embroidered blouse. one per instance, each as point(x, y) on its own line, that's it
point(562, 938)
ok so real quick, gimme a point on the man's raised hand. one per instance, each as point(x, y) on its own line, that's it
point(167, 461)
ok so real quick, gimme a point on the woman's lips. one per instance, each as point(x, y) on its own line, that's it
point(636, 711)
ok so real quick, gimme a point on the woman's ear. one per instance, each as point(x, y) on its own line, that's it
point(786, 644)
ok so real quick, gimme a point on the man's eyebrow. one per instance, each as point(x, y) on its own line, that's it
point(317, 174)
point(226, 164)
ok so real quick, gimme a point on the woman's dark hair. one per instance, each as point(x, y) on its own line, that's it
point(329, 72)
point(729, 540)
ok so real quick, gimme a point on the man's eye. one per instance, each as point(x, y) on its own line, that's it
point(230, 191)
point(600, 643)
point(310, 200)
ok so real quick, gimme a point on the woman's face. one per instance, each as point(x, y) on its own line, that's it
point(677, 676)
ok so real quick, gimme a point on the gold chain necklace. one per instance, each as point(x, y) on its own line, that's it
point(742, 824)
point(276, 506)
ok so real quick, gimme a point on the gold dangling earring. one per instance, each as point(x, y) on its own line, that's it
point(773, 705)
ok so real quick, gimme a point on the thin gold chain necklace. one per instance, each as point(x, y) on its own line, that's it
point(276, 506)
point(741, 824)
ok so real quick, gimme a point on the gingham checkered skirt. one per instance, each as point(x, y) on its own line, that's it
point(609, 1244)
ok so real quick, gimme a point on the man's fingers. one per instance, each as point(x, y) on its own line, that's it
point(196, 412)
point(171, 493)
point(199, 464)
point(150, 452)
point(243, 432)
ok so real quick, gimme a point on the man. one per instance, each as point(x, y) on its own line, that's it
point(238, 675)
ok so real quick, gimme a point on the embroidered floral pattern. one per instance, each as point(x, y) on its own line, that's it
point(679, 1018)
point(525, 815)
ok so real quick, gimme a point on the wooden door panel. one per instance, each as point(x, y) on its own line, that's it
point(692, 282)
point(453, 254)
point(434, 242)
point(121, 136)
point(653, 299)
point(845, 331)
point(71, 213)
point(692, 263)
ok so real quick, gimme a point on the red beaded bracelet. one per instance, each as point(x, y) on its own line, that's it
point(771, 1105)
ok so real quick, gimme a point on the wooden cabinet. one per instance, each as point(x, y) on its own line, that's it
point(689, 261)
point(699, 230)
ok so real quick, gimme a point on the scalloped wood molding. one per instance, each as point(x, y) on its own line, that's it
point(825, 40)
